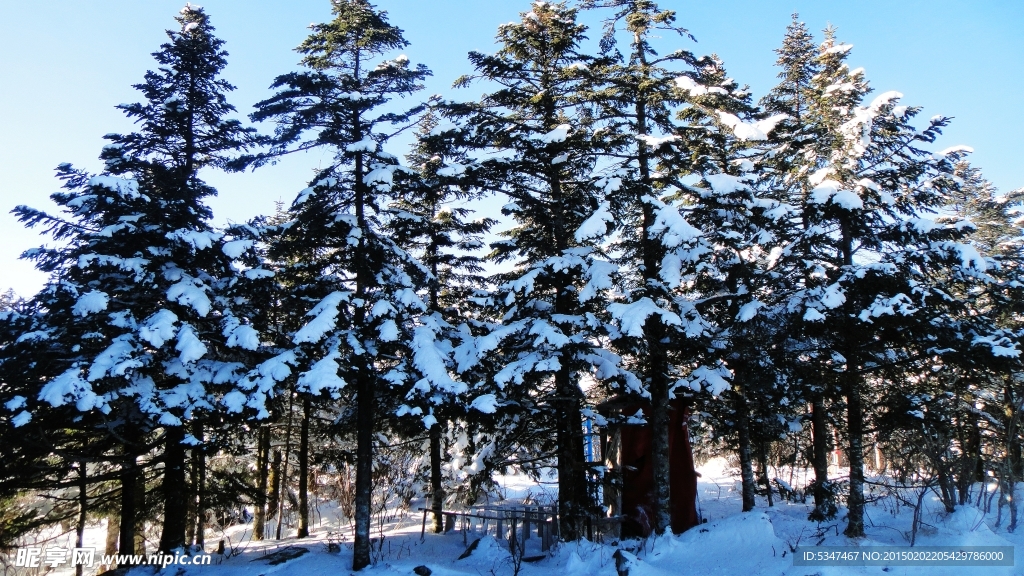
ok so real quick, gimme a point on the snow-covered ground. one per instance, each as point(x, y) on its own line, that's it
point(731, 542)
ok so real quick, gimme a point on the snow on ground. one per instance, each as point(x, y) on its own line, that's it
point(729, 543)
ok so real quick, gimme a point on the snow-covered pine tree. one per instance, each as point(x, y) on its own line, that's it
point(744, 221)
point(132, 302)
point(8, 299)
point(980, 416)
point(552, 302)
point(954, 417)
point(793, 96)
point(361, 286)
point(45, 450)
point(882, 270)
point(432, 222)
point(669, 119)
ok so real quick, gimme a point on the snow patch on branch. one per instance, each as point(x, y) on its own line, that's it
point(325, 318)
point(559, 134)
point(752, 131)
point(159, 328)
point(633, 316)
point(236, 248)
point(597, 225)
point(90, 303)
point(323, 375)
point(486, 403)
point(190, 293)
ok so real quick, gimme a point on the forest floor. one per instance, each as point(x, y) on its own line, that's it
point(760, 542)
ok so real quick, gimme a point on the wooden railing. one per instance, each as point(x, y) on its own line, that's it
point(517, 524)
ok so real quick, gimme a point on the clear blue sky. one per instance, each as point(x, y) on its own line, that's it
point(64, 64)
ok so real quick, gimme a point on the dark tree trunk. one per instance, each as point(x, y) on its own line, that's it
point(749, 486)
point(946, 488)
point(364, 384)
point(129, 479)
point(193, 495)
point(199, 461)
point(819, 439)
point(83, 509)
point(657, 362)
point(274, 484)
point(174, 496)
point(970, 464)
point(972, 469)
point(259, 522)
point(113, 534)
point(303, 530)
point(142, 510)
point(762, 465)
point(659, 421)
point(573, 497)
point(283, 482)
point(855, 428)
point(364, 471)
point(854, 412)
point(436, 488)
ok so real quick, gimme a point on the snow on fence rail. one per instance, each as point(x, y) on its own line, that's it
point(514, 523)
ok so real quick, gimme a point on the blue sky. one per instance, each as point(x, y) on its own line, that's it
point(64, 65)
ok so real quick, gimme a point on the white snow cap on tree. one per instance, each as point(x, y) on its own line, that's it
point(90, 303)
point(758, 130)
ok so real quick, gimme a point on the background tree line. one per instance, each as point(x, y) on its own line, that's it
point(804, 269)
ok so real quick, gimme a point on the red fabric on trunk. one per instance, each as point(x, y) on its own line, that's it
point(638, 473)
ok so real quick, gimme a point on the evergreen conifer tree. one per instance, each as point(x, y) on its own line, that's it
point(671, 118)
point(132, 303)
point(359, 285)
point(552, 303)
point(433, 223)
point(875, 290)
point(793, 96)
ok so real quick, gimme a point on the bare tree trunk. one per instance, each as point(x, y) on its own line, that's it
point(113, 531)
point(83, 508)
point(175, 505)
point(141, 511)
point(364, 471)
point(110, 546)
point(971, 461)
point(946, 490)
point(303, 530)
point(854, 415)
point(1012, 462)
point(364, 380)
point(191, 490)
point(572, 476)
point(259, 521)
point(199, 461)
point(274, 484)
point(855, 426)
point(762, 462)
point(436, 487)
point(659, 421)
point(824, 507)
point(284, 467)
point(746, 461)
point(129, 478)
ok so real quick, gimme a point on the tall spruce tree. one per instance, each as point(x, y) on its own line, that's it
point(133, 296)
point(875, 292)
point(744, 221)
point(432, 222)
point(668, 119)
point(793, 96)
point(551, 304)
point(361, 285)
